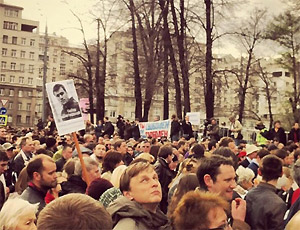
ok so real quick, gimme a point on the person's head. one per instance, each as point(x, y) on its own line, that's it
point(166, 152)
point(296, 125)
point(3, 162)
point(97, 187)
point(74, 211)
point(226, 152)
point(174, 117)
point(232, 119)
point(213, 121)
point(67, 152)
point(92, 167)
point(251, 151)
point(228, 142)
point(277, 124)
point(2, 132)
point(41, 171)
point(188, 182)
point(9, 149)
point(270, 168)
point(69, 166)
point(261, 154)
point(187, 118)
point(60, 92)
point(201, 210)
point(212, 145)
point(26, 145)
point(112, 160)
point(216, 174)
point(197, 150)
point(121, 146)
point(183, 145)
point(100, 151)
point(88, 138)
point(285, 156)
point(245, 177)
point(140, 183)
point(145, 146)
point(18, 214)
point(116, 175)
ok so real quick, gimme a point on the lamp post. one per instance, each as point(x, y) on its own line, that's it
point(45, 74)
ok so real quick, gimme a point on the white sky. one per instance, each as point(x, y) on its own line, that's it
point(61, 21)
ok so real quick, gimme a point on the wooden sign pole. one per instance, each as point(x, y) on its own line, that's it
point(84, 171)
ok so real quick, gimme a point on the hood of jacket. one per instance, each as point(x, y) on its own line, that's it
point(122, 207)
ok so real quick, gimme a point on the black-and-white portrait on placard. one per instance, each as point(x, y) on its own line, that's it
point(70, 107)
point(65, 107)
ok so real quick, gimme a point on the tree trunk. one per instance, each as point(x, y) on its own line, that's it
point(182, 53)
point(209, 93)
point(137, 78)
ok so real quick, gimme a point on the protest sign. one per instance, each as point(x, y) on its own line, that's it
point(155, 129)
point(194, 117)
point(65, 107)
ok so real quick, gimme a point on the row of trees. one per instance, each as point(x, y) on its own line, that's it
point(163, 31)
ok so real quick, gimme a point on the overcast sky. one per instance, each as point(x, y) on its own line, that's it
point(61, 21)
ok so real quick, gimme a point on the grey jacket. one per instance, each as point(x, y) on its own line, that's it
point(265, 209)
point(130, 215)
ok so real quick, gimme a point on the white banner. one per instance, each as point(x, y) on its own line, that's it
point(155, 129)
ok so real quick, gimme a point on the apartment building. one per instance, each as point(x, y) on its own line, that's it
point(18, 71)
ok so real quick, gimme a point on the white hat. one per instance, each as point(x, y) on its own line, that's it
point(251, 148)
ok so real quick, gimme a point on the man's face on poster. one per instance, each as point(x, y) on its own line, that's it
point(61, 95)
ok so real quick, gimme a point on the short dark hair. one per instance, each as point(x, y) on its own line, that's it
point(211, 167)
point(198, 150)
point(74, 211)
point(212, 144)
point(271, 168)
point(165, 151)
point(118, 143)
point(224, 142)
point(56, 87)
point(226, 152)
point(111, 159)
point(281, 153)
point(3, 156)
point(36, 164)
point(262, 153)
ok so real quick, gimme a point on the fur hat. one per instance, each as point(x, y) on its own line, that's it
point(97, 187)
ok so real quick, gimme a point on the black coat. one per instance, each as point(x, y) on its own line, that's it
point(279, 135)
point(165, 176)
point(74, 185)
point(187, 130)
point(294, 135)
point(108, 129)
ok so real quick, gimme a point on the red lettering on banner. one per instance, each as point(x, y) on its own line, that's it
point(156, 134)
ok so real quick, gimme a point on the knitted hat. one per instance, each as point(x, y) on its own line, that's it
point(97, 187)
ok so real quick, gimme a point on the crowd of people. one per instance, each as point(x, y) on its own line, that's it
point(126, 182)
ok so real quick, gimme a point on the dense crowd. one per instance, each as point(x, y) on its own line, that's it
point(126, 182)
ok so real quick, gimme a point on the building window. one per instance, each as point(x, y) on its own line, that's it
point(23, 41)
point(3, 65)
point(29, 93)
point(23, 53)
point(22, 67)
point(20, 93)
point(30, 69)
point(19, 119)
point(13, 66)
point(11, 92)
point(31, 55)
point(27, 119)
point(2, 92)
point(30, 81)
point(62, 70)
point(54, 71)
point(2, 78)
point(12, 79)
point(20, 106)
point(32, 42)
point(28, 106)
point(39, 108)
point(5, 39)
point(13, 53)
point(10, 105)
point(14, 40)
point(10, 25)
point(4, 52)
point(11, 13)
point(21, 80)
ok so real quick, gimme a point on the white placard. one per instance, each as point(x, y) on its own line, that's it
point(194, 117)
point(63, 100)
